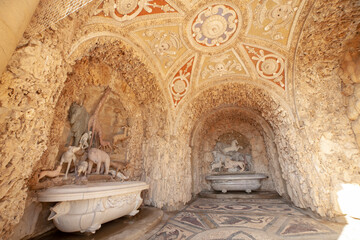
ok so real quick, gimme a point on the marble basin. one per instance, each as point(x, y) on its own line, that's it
point(85, 207)
point(236, 182)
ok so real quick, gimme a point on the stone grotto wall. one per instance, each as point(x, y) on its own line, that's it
point(228, 122)
point(308, 148)
point(331, 154)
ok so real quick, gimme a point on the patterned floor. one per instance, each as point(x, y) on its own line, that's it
point(216, 219)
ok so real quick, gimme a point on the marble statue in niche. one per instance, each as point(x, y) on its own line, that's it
point(232, 154)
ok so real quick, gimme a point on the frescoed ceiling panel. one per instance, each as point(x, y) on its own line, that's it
point(163, 43)
point(221, 65)
point(195, 44)
point(126, 10)
point(273, 19)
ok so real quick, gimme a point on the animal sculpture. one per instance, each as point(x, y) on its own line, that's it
point(234, 147)
point(234, 164)
point(121, 137)
point(49, 173)
point(68, 157)
point(82, 168)
point(84, 141)
point(98, 157)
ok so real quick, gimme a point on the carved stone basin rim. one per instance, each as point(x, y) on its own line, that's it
point(242, 176)
point(89, 191)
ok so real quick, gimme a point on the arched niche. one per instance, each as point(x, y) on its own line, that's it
point(253, 134)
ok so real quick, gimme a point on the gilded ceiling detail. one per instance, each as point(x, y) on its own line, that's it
point(180, 84)
point(268, 65)
point(272, 19)
point(247, 40)
point(227, 63)
point(125, 10)
point(214, 25)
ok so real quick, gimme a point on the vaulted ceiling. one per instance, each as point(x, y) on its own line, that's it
point(194, 44)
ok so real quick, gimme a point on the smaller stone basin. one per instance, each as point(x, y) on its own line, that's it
point(236, 182)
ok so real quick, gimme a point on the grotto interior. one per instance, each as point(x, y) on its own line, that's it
point(179, 77)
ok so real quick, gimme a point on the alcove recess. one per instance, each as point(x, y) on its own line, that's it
point(249, 129)
point(119, 109)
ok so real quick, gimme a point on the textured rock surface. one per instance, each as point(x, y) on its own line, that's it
point(302, 136)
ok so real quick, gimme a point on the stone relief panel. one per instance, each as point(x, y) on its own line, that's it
point(232, 153)
point(214, 26)
point(180, 84)
point(273, 19)
point(125, 10)
point(268, 65)
point(227, 63)
point(164, 43)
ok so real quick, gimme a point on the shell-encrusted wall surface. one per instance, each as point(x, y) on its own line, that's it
point(180, 71)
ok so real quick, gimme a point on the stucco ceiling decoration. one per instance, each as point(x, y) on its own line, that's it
point(232, 40)
point(125, 10)
point(180, 84)
point(219, 65)
point(214, 26)
point(163, 43)
point(268, 65)
point(273, 19)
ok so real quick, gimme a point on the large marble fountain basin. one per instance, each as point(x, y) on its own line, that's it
point(85, 207)
point(236, 182)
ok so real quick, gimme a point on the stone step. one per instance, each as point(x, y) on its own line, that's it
point(240, 195)
point(125, 228)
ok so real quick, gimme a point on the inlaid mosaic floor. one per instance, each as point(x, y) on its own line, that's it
point(263, 219)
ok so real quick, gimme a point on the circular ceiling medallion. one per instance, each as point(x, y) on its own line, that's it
point(215, 25)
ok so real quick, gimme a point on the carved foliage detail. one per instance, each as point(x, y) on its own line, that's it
point(180, 84)
point(215, 25)
point(268, 65)
point(124, 10)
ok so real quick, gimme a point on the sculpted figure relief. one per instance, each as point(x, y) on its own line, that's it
point(68, 157)
point(227, 158)
point(98, 157)
point(78, 117)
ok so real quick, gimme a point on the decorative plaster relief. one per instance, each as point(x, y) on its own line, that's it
point(268, 65)
point(124, 10)
point(180, 84)
point(272, 19)
point(227, 63)
point(164, 43)
point(215, 25)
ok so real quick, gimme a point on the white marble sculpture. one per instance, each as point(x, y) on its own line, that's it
point(82, 167)
point(98, 157)
point(84, 140)
point(233, 148)
point(85, 207)
point(49, 173)
point(68, 157)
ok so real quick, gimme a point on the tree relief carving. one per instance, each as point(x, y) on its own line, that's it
point(124, 10)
